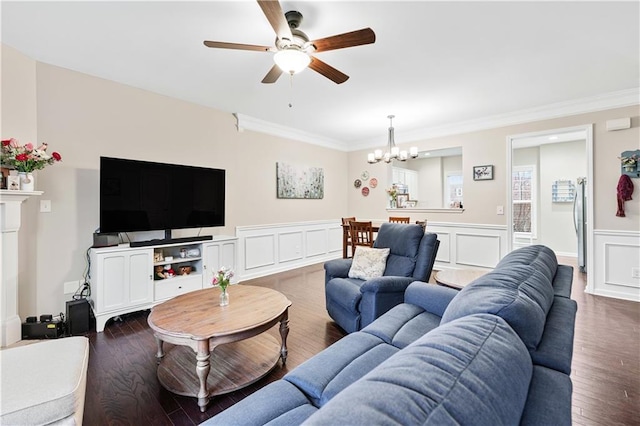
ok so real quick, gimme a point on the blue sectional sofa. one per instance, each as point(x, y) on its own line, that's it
point(497, 352)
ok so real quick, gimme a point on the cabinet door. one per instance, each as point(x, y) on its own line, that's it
point(123, 279)
point(211, 262)
point(217, 255)
point(140, 277)
point(112, 290)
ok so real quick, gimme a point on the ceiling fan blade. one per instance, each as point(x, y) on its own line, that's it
point(328, 71)
point(340, 41)
point(239, 46)
point(275, 16)
point(273, 75)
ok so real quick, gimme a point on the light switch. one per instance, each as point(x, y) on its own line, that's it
point(45, 206)
point(500, 210)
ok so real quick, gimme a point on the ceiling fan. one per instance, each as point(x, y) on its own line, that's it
point(293, 49)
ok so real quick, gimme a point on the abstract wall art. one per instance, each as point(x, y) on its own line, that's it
point(299, 181)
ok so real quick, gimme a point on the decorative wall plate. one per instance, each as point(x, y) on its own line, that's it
point(373, 182)
point(357, 183)
point(365, 191)
point(364, 175)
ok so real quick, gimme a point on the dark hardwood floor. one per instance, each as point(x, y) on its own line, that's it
point(122, 388)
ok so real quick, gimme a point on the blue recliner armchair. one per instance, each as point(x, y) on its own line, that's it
point(354, 303)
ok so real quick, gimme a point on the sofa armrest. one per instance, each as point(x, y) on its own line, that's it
point(337, 268)
point(430, 297)
point(387, 284)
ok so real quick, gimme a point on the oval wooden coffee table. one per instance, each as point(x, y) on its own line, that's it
point(457, 278)
point(231, 338)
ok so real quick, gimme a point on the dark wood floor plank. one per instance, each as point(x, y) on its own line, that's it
point(122, 387)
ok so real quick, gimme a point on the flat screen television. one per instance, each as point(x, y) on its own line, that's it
point(145, 196)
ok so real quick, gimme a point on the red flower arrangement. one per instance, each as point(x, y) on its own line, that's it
point(26, 158)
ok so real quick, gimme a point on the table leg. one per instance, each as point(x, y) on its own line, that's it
point(160, 351)
point(345, 241)
point(202, 370)
point(284, 332)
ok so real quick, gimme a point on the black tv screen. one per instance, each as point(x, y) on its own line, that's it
point(146, 196)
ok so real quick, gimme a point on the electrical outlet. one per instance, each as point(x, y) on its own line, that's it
point(635, 272)
point(500, 210)
point(45, 206)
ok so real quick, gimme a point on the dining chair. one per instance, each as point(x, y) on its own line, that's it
point(345, 223)
point(399, 219)
point(361, 234)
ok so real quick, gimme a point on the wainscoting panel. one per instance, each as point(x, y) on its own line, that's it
point(444, 249)
point(267, 249)
point(477, 250)
point(258, 251)
point(317, 242)
point(616, 255)
point(290, 246)
point(335, 239)
point(469, 246)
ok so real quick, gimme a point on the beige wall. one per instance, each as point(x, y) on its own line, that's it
point(19, 120)
point(489, 147)
point(84, 117)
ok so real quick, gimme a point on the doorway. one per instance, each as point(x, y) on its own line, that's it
point(544, 169)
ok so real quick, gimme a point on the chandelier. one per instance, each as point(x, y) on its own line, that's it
point(392, 152)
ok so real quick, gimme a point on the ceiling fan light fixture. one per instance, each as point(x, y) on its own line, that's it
point(291, 60)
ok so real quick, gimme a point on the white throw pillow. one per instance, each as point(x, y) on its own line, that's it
point(368, 262)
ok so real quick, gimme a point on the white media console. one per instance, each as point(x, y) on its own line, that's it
point(122, 277)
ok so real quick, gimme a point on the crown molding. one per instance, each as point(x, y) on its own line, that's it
point(619, 99)
point(245, 122)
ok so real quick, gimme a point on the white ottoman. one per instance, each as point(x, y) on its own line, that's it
point(44, 383)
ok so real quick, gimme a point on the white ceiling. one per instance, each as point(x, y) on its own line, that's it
point(434, 64)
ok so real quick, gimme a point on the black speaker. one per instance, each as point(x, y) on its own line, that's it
point(78, 316)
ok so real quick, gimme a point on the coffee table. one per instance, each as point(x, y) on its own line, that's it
point(457, 278)
point(231, 338)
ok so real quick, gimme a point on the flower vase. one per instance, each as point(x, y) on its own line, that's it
point(393, 204)
point(224, 297)
point(27, 181)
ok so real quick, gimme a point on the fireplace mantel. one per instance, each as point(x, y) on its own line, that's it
point(10, 211)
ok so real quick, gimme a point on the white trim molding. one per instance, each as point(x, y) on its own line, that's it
point(616, 253)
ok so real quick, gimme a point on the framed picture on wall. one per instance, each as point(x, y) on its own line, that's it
point(482, 172)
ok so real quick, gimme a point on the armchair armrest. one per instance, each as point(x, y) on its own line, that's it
point(337, 268)
point(386, 284)
point(430, 297)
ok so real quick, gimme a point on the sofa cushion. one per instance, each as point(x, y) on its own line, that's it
point(521, 294)
point(368, 263)
point(278, 403)
point(555, 350)
point(549, 399)
point(563, 281)
point(330, 371)
point(44, 382)
point(542, 258)
point(403, 325)
point(474, 370)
